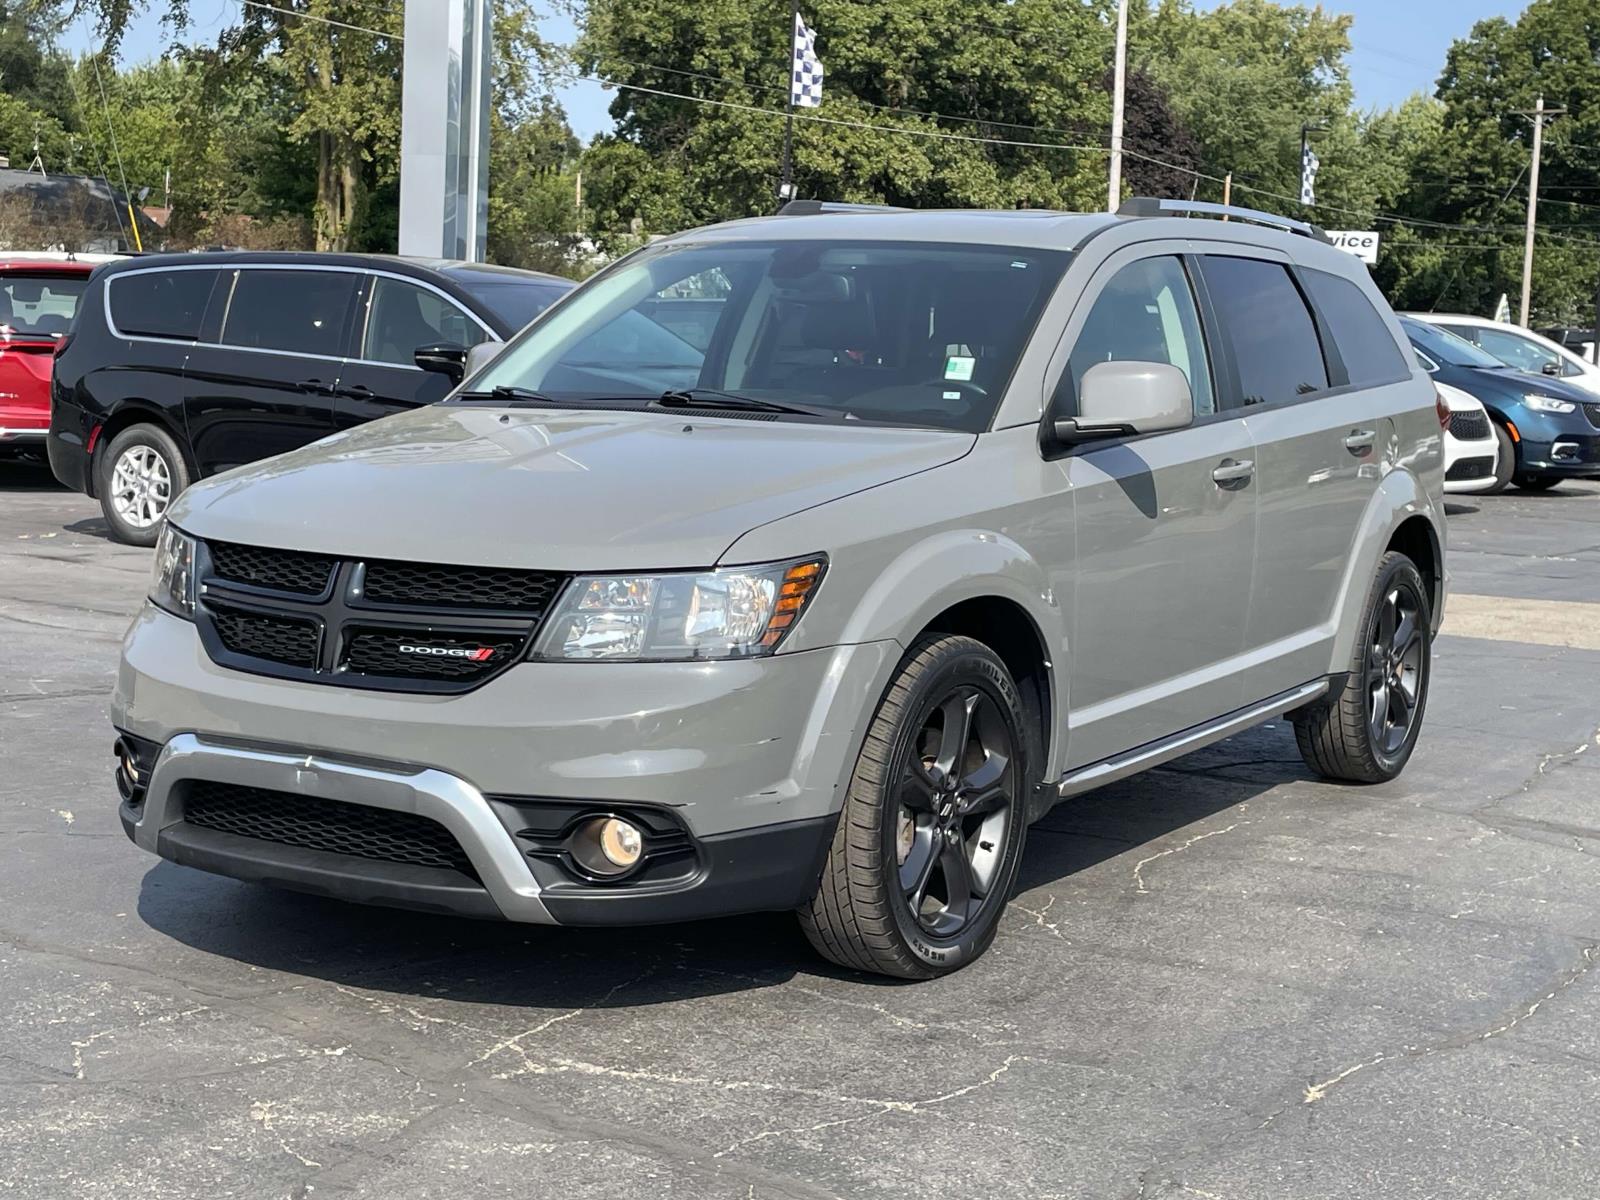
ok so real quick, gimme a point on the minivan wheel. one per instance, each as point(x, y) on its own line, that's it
point(1366, 732)
point(141, 473)
point(1505, 465)
point(929, 843)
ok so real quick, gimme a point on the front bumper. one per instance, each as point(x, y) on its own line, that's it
point(749, 757)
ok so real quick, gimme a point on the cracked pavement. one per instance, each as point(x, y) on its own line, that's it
point(1222, 979)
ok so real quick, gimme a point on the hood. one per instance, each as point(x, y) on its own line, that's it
point(560, 491)
point(1510, 385)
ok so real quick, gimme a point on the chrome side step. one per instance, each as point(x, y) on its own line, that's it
point(1153, 754)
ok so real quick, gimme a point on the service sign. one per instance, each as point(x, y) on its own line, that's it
point(1363, 243)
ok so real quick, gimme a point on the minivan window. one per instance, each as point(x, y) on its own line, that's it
point(1520, 352)
point(516, 303)
point(1370, 354)
point(1274, 340)
point(161, 304)
point(402, 318)
point(1447, 347)
point(39, 306)
point(901, 332)
point(1145, 314)
point(299, 311)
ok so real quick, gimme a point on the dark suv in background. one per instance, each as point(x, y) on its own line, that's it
point(181, 366)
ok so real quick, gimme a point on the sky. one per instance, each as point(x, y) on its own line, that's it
point(1398, 46)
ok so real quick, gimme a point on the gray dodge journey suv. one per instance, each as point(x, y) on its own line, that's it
point(802, 563)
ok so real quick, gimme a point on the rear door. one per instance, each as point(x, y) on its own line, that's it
point(1166, 527)
point(1314, 381)
point(395, 317)
point(36, 307)
point(263, 379)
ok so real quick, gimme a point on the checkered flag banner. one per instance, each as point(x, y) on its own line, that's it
point(805, 85)
point(1309, 162)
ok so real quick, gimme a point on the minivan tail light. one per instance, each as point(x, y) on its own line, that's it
point(62, 343)
point(1442, 408)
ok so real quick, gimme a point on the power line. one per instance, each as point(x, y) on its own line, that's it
point(945, 135)
point(1075, 130)
point(99, 155)
point(111, 130)
point(289, 12)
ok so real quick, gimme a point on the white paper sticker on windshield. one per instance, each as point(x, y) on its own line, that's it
point(959, 367)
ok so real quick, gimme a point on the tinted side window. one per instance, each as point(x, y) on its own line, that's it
point(1366, 346)
point(402, 317)
point(1274, 339)
point(1145, 314)
point(302, 311)
point(164, 304)
point(1517, 351)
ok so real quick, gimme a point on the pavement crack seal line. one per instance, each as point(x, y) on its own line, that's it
point(884, 1107)
point(1138, 867)
point(160, 1019)
point(1318, 1091)
point(1039, 921)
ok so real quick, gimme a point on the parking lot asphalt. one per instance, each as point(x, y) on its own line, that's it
point(1221, 980)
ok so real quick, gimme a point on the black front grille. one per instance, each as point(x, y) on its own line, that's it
point(1470, 468)
point(421, 584)
point(335, 826)
point(418, 654)
point(280, 570)
point(1592, 411)
point(378, 624)
point(291, 641)
point(1469, 426)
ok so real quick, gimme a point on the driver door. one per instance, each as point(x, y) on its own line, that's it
point(1166, 527)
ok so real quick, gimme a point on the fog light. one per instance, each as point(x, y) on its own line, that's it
point(606, 847)
point(130, 766)
point(621, 843)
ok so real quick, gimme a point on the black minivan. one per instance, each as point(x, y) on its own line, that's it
point(179, 366)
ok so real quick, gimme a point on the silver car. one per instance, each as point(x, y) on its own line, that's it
point(803, 563)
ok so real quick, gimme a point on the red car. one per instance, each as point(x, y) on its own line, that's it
point(38, 298)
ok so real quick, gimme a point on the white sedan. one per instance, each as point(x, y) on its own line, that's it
point(1471, 451)
point(1520, 348)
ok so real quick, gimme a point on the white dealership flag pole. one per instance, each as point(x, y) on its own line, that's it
point(805, 91)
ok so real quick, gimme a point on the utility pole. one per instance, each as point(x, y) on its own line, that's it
point(1539, 113)
point(1227, 192)
point(1119, 89)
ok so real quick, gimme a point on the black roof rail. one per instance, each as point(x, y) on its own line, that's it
point(1151, 206)
point(811, 208)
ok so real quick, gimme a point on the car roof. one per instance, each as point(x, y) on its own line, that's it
point(1023, 227)
point(457, 269)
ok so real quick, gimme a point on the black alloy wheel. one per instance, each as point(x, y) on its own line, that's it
point(957, 786)
point(1395, 666)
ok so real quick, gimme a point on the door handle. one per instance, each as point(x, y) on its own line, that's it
point(1360, 440)
point(359, 392)
point(315, 387)
point(1234, 472)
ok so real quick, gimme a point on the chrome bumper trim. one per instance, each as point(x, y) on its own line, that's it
point(451, 801)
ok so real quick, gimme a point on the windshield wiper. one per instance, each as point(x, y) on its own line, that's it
point(713, 398)
point(506, 394)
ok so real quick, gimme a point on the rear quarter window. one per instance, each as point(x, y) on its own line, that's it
point(1275, 344)
point(160, 304)
point(1369, 352)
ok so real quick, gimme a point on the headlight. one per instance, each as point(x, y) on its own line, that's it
point(1549, 404)
point(736, 612)
point(172, 584)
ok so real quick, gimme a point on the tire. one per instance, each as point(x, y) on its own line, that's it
point(1341, 738)
point(139, 474)
point(1505, 464)
point(1537, 483)
point(907, 826)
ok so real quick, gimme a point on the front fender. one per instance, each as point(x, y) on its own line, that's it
point(1399, 497)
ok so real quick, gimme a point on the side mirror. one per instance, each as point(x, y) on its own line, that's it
point(481, 355)
point(1123, 399)
point(1551, 369)
point(446, 358)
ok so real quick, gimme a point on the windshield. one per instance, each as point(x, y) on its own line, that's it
point(39, 305)
point(517, 303)
point(897, 332)
point(1447, 347)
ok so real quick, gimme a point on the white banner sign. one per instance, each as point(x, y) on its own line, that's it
point(1363, 243)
